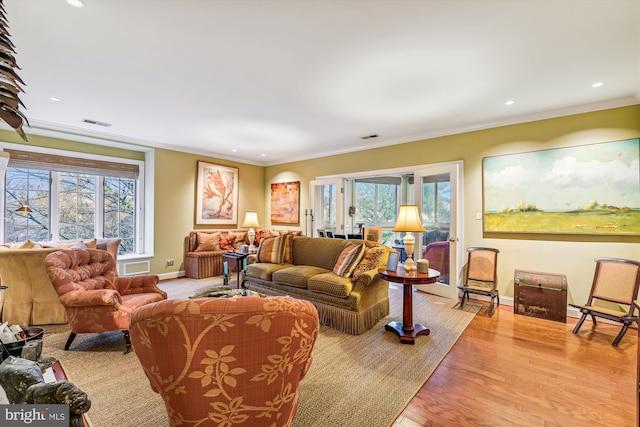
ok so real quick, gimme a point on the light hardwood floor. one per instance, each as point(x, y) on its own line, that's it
point(513, 370)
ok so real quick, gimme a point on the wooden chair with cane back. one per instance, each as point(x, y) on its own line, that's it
point(481, 277)
point(613, 292)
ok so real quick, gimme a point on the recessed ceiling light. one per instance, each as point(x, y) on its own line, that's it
point(235, 150)
point(75, 3)
point(53, 98)
point(510, 102)
point(597, 84)
point(263, 155)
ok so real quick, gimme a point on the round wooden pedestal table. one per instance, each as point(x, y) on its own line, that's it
point(406, 330)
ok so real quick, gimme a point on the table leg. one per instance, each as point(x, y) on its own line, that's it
point(406, 330)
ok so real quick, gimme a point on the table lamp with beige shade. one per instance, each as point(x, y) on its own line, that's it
point(251, 221)
point(409, 222)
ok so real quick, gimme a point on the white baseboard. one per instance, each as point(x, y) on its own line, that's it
point(172, 275)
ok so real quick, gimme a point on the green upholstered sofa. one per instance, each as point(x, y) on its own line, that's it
point(343, 304)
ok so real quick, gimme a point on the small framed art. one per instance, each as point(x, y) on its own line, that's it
point(392, 264)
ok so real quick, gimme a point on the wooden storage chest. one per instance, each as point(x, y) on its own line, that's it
point(540, 294)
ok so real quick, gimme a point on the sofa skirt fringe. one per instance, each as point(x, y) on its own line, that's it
point(352, 322)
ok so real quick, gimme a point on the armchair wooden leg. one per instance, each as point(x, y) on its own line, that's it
point(127, 341)
point(72, 335)
point(580, 322)
point(462, 300)
point(490, 312)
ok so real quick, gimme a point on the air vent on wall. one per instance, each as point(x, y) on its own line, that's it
point(95, 122)
point(369, 136)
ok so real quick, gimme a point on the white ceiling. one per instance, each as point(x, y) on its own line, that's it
point(281, 81)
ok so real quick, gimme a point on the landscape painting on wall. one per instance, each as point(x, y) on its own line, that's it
point(285, 199)
point(216, 194)
point(588, 189)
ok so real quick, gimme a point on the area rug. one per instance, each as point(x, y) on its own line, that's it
point(357, 381)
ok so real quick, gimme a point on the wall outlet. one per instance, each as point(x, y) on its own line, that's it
point(478, 215)
point(169, 262)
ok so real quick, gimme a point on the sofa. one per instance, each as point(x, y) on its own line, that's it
point(30, 298)
point(203, 249)
point(348, 293)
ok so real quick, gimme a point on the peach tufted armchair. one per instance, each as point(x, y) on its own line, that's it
point(226, 361)
point(95, 298)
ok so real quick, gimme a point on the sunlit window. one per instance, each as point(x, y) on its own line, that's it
point(71, 196)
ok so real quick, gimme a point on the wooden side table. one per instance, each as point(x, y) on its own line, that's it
point(406, 330)
point(235, 258)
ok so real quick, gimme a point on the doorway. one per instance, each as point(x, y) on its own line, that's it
point(339, 204)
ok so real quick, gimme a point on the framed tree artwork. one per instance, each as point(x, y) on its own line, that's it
point(216, 194)
point(285, 202)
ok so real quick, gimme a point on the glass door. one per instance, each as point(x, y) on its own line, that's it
point(327, 205)
point(438, 193)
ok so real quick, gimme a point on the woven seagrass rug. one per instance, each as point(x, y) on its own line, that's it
point(364, 380)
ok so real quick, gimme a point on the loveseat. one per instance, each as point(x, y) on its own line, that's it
point(349, 294)
point(203, 249)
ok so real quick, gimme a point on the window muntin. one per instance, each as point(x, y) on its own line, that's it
point(119, 218)
point(87, 206)
point(30, 187)
point(76, 206)
point(377, 204)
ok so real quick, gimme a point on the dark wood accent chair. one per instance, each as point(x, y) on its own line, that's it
point(615, 281)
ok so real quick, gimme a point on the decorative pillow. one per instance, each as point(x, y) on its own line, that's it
point(111, 245)
point(29, 244)
point(271, 250)
point(241, 238)
point(288, 248)
point(91, 244)
point(226, 242)
point(261, 234)
point(348, 259)
point(369, 261)
point(208, 242)
point(72, 245)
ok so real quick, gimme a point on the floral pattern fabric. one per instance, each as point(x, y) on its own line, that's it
point(226, 361)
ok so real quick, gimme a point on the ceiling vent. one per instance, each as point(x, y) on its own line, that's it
point(369, 136)
point(95, 122)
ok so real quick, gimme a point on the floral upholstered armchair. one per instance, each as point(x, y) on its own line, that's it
point(226, 361)
point(95, 298)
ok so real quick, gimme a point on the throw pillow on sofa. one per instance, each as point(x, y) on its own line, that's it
point(288, 247)
point(226, 242)
point(240, 238)
point(349, 259)
point(29, 244)
point(208, 242)
point(271, 250)
point(369, 261)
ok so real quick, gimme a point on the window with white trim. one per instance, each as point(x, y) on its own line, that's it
point(71, 198)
